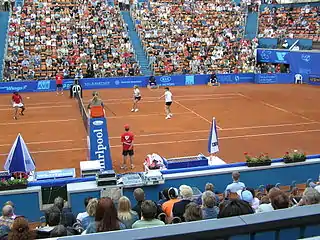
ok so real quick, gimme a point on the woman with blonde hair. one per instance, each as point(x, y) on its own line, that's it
point(91, 210)
point(125, 213)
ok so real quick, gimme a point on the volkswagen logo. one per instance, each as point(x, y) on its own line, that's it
point(97, 123)
point(117, 82)
point(165, 79)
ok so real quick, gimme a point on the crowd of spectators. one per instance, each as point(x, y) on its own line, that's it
point(79, 40)
point(290, 22)
point(174, 206)
point(187, 37)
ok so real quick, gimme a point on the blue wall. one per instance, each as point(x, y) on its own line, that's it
point(129, 82)
point(304, 44)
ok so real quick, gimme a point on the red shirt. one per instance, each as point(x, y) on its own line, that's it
point(59, 79)
point(127, 139)
point(16, 98)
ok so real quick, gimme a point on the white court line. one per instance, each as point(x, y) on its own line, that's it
point(27, 103)
point(197, 114)
point(145, 115)
point(278, 108)
point(47, 107)
point(36, 122)
point(181, 141)
point(223, 138)
point(225, 129)
point(168, 133)
point(176, 96)
point(156, 101)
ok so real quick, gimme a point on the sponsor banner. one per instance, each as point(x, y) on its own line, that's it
point(235, 78)
point(314, 79)
point(281, 78)
point(273, 56)
point(99, 142)
point(121, 82)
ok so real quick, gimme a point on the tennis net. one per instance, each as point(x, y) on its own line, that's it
point(83, 112)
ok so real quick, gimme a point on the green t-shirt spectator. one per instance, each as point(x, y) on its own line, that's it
point(149, 223)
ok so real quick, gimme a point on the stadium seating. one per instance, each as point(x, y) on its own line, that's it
point(87, 40)
point(290, 22)
point(179, 38)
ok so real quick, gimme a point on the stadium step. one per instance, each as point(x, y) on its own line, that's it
point(4, 18)
point(251, 25)
point(137, 45)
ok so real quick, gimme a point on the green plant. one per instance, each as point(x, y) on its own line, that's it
point(262, 158)
point(294, 156)
point(16, 179)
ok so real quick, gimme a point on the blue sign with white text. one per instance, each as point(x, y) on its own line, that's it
point(99, 142)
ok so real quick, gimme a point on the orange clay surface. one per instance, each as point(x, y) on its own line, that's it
point(250, 118)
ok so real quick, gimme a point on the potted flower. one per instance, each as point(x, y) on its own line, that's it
point(262, 160)
point(294, 156)
point(17, 181)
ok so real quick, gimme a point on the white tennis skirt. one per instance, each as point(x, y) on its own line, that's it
point(19, 105)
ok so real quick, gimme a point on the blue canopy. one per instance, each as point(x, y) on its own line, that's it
point(19, 158)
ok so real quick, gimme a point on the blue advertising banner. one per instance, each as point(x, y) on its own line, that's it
point(99, 142)
point(280, 78)
point(300, 62)
point(235, 78)
point(314, 79)
point(272, 56)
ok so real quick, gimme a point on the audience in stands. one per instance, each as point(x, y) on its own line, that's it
point(67, 217)
point(149, 216)
point(290, 22)
point(280, 200)
point(185, 38)
point(126, 215)
point(82, 215)
point(12, 205)
point(91, 210)
point(20, 230)
point(53, 219)
point(236, 185)
point(6, 220)
point(234, 207)
point(139, 196)
point(168, 205)
point(255, 201)
point(193, 212)
point(82, 40)
point(106, 218)
point(179, 207)
point(209, 205)
point(310, 196)
point(59, 231)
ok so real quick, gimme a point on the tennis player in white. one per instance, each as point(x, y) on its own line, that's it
point(136, 98)
point(168, 101)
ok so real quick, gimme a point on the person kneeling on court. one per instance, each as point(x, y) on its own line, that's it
point(96, 106)
point(213, 81)
point(152, 84)
point(127, 147)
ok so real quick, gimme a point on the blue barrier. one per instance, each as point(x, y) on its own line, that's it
point(300, 62)
point(124, 82)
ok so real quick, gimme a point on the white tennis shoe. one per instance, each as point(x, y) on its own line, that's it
point(136, 110)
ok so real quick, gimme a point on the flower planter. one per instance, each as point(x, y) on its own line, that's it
point(258, 164)
point(13, 187)
point(293, 161)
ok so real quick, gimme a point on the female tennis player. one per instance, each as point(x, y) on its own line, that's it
point(136, 98)
point(168, 101)
point(17, 103)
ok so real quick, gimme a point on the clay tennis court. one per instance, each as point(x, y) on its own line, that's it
point(251, 118)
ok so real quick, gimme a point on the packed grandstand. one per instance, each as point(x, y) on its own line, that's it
point(90, 39)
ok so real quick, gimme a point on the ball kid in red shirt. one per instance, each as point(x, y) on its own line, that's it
point(127, 146)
